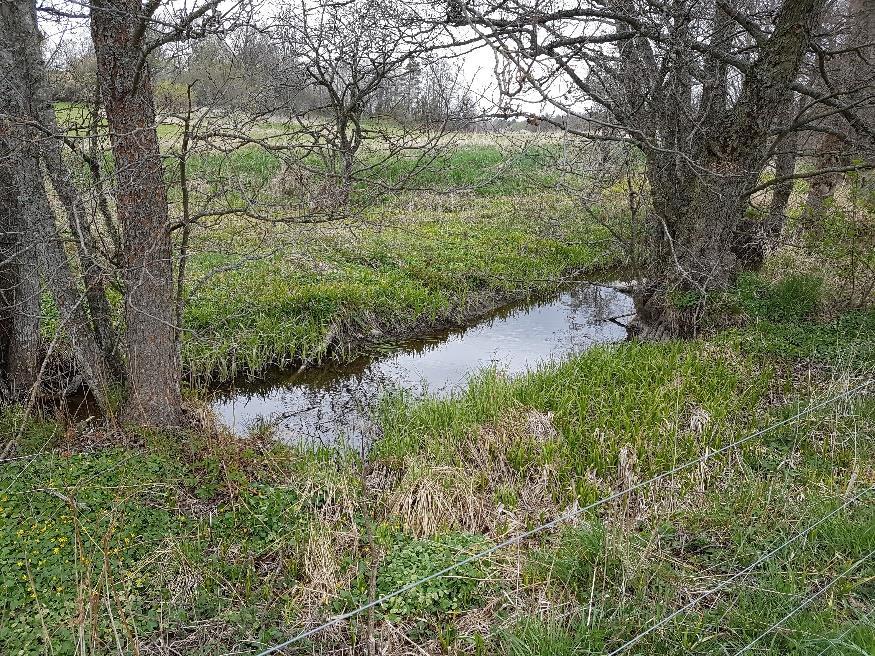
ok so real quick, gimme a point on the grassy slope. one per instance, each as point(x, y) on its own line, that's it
point(219, 543)
point(262, 294)
point(427, 263)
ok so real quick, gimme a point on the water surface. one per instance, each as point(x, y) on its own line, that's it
point(333, 402)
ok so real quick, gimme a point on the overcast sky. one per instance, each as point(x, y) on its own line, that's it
point(63, 36)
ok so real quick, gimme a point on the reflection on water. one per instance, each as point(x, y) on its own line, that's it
point(333, 402)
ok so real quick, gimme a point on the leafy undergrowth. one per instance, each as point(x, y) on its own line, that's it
point(204, 545)
point(790, 317)
point(284, 295)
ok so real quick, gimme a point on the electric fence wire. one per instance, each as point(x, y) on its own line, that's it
point(805, 603)
point(737, 575)
point(834, 641)
point(574, 512)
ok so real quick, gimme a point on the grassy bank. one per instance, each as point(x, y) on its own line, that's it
point(208, 544)
point(265, 294)
point(479, 224)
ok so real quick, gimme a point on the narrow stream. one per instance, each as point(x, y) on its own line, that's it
point(332, 403)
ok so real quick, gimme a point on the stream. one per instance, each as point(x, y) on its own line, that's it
point(332, 403)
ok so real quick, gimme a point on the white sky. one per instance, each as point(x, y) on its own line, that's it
point(63, 36)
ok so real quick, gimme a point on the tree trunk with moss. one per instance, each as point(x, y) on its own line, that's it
point(700, 235)
point(37, 249)
point(19, 291)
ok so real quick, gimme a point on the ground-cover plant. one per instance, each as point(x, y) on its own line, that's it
point(785, 323)
point(202, 541)
point(704, 548)
point(408, 560)
point(609, 400)
point(285, 296)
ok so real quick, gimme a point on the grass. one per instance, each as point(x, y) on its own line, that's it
point(407, 269)
point(217, 544)
point(259, 294)
point(203, 543)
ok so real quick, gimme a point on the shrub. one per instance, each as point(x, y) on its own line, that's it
point(411, 560)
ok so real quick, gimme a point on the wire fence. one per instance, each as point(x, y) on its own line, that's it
point(738, 575)
point(804, 603)
point(576, 512)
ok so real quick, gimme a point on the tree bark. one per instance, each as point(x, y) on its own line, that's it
point(93, 275)
point(700, 236)
point(27, 102)
point(693, 227)
point(785, 165)
point(20, 345)
point(829, 154)
point(60, 279)
point(153, 374)
point(851, 70)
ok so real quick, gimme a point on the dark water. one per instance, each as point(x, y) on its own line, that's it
point(333, 403)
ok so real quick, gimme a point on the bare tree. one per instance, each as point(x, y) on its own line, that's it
point(27, 117)
point(844, 64)
point(130, 247)
point(702, 88)
point(353, 55)
point(118, 29)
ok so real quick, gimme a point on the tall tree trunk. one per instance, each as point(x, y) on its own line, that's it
point(93, 275)
point(60, 278)
point(153, 373)
point(785, 166)
point(696, 218)
point(700, 236)
point(830, 154)
point(40, 107)
point(20, 345)
point(851, 71)
point(27, 102)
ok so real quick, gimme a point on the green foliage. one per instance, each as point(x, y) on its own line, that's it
point(35, 433)
point(190, 532)
point(684, 299)
point(792, 298)
point(65, 521)
point(407, 560)
point(839, 244)
point(718, 536)
point(847, 342)
point(487, 170)
point(403, 277)
point(602, 400)
point(538, 637)
point(177, 531)
point(581, 554)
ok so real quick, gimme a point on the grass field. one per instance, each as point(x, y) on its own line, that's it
point(198, 542)
point(483, 226)
point(216, 543)
point(403, 270)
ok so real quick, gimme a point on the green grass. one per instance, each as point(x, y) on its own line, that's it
point(230, 544)
point(661, 569)
point(611, 398)
point(221, 544)
point(404, 271)
point(847, 342)
point(260, 294)
point(487, 171)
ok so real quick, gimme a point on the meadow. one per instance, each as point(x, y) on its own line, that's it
point(202, 542)
point(485, 226)
point(217, 543)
